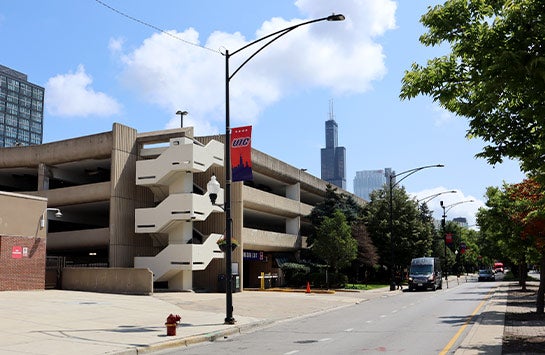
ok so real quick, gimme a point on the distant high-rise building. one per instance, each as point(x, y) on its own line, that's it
point(333, 158)
point(461, 221)
point(21, 109)
point(367, 181)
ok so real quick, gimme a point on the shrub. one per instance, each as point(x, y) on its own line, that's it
point(295, 274)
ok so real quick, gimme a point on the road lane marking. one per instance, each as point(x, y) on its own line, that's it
point(463, 327)
point(291, 352)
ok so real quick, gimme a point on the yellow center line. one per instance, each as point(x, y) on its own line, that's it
point(463, 327)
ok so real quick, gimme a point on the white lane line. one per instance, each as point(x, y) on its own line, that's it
point(349, 329)
point(325, 339)
point(291, 352)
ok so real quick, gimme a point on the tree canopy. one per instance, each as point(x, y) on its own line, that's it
point(334, 242)
point(413, 233)
point(513, 225)
point(494, 74)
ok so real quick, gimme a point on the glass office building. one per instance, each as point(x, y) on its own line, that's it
point(21, 109)
point(367, 181)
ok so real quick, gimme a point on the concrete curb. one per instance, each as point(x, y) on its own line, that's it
point(194, 339)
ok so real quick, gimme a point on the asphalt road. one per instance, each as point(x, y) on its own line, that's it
point(409, 322)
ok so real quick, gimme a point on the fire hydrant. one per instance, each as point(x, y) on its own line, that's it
point(172, 323)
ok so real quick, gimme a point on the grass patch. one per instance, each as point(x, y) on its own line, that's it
point(509, 276)
point(364, 287)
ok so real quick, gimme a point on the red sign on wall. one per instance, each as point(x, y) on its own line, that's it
point(17, 252)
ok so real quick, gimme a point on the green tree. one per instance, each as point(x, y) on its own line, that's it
point(412, 235)
point(332, 202)
point(500, 232)
point(494, 74)
point(334, 243)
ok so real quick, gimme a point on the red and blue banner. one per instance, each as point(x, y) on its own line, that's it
point(241, 153)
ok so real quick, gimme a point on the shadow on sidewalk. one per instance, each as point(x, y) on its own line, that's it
point(524, 330)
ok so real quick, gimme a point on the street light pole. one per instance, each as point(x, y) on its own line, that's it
point(182, 114)
point(444, 229)
point(391, 223)
point(227, 145)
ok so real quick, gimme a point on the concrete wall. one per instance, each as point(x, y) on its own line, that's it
point(22, 242)
point(108, 280)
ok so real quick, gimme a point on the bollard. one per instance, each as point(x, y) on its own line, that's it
point(172, 323)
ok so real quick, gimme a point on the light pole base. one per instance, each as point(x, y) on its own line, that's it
point(229, 320)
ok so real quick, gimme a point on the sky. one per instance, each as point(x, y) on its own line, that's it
point(138, 62)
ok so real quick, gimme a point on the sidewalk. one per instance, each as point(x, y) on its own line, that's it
point(62, 322)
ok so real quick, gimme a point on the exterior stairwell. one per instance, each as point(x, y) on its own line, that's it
point(170, 176)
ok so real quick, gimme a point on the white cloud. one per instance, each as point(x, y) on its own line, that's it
point(456, 204)
point(72, 95)
point(338, 56)
point(442, 117)
point(115, 45)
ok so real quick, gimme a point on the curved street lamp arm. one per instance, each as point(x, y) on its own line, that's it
point(277, 35)
point(431, 197)
point(410, 172)
point(449, 207)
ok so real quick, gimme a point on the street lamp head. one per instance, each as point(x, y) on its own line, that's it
point(183, 113)
point(213, 187)
point(336, 17)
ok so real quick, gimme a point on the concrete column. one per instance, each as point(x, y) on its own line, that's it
point(293, 192)
point(293, 225)
point(182, 281)
point(43, 177)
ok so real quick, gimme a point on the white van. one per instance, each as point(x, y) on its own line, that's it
point(425, 273)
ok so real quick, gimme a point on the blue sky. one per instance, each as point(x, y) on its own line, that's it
point(140, 64)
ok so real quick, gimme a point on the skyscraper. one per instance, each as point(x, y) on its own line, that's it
point(333, 158)
point(366, 181)
point(21, 109)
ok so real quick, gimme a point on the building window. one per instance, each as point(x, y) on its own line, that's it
point(36, 116)
point(37, 105)
point(24, 136)
point(37, 94)
point(12, 97)
point(12, 109)
point(35, 127)
point(10, 142)
point(11, 132)
point(26, 89)
point(24, 124)
point(11, 120)
point(24, 112)
point(13, 85)
point(35, 138)
point(25, 101)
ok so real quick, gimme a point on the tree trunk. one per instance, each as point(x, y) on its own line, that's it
point(523, 271)
point(540, 302)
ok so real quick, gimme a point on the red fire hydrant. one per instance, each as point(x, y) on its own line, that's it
point(172, 323)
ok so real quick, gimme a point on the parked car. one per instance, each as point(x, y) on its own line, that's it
point(487, 275)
